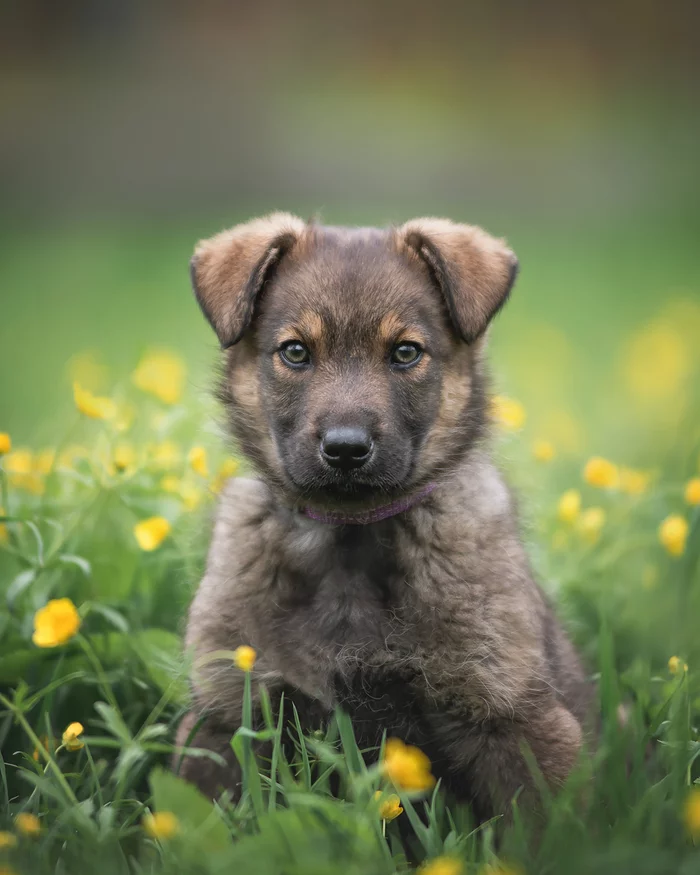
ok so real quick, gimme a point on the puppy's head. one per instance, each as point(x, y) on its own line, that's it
point(353, 368)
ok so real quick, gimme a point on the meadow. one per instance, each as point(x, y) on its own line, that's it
point(111, 459)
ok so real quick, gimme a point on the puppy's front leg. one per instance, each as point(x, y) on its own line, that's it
point(210, 777)
point(496, 765)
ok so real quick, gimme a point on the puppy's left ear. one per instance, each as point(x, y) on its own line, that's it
point(474, 271)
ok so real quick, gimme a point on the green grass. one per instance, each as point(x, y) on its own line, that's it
point(562, 347)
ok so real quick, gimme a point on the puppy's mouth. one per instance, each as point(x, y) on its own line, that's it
point(352, 489)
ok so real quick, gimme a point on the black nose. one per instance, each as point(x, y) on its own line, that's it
point(346, 446)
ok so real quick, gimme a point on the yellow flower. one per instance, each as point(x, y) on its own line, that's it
point(161, 825)
point(197, 457)
point(20, 466)
point(692, 491)
point(228, 469)
point(151, 533)
point(44, 461)
point(160, 373)
point(691, 812)
point(70, 739)
point(87, 369)
point(590, 524)
point(244, 657)
point(124, 419)
point(165, 455)
point(675, 666)
point(389, 806)
point(171, 483)
point(5, 443)
point(190, 495)
point(508, 413)
point(569, 506)
point(407, 767)
point(673, 533)
point(124, 457)
point(634, 482)
point(442, 866)
point(601, 473)
point(28, 824)
point(7, 840)
point(543, 451)
point(55, 623)
point(93, 406)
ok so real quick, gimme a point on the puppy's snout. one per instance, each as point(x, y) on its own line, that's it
point(346, 446)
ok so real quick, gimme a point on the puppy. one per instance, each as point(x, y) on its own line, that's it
point(376, 562)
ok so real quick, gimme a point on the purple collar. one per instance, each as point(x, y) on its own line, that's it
point(375, 515)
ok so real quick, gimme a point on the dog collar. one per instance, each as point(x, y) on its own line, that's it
point(375, 515)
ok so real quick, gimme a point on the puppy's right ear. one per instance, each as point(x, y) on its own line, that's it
point(229, 270)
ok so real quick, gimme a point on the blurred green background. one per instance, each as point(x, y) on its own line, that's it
point(132, 129)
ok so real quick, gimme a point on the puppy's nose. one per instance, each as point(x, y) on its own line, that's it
point(346, 446)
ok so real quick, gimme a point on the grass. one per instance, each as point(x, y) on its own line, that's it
point(67, 531)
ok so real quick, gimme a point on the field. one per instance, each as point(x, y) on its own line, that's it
point(107, 494)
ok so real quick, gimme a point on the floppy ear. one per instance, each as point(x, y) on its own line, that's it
point(474, 271)
point(229, 270)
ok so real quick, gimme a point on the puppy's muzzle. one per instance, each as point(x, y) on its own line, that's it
point(346, 447)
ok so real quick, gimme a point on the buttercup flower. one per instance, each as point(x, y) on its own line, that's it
point(543, 451)
point(442, 866)
point(407, 767)
point(151, 533)
point(190, 495)
point(160, 373)
point(165, 455)
point(244, 657)
point(7, 840)
point(21, 469)
point(55, 623)
point(675, 666)
point(634, 482)
point(28, 824)
point(508, 413)
point(691, 812)
point(692, 491)
point(601, 473)
point(124, 457)
point(569, 506)
point(390, 806)
point(591, 523)
point(71, 740)
point(171, 483)
point(93, 406)
point(197, 457)
point(161, 825)
point(5, 443)
point(673, 533)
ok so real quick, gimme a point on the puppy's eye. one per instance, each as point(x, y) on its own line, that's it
point(404, 355)
point(294, 353)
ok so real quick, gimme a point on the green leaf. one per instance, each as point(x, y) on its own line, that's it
point(22, 582)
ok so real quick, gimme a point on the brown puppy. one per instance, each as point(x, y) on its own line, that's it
point(376, 563)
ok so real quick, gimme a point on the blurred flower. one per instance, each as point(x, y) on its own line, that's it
point(228, 469)
point(601, 473)
point(54, 624)
point(543, 451)
point(165, 455)
point(44, 461)
point(87, 369)
point(191, 495)
point(389, 806)
point(93, 406)
point(5, 443)
point(151, 533)
point(171, 483)
point(7, 840)
point(508, 413)
point(692, 491)
point(675, 665)
point(124, 458)
point(197, 457)
point(634, 482)
point(673, 533)
point(407, 767)
point(244, 657)
point(590, 524)
point(161, 825)
point(569, 506)
point(124, 419)
point(28, 824)
point(160, 373)
point(691, 812)
point(442, 866)
point(70, 739)
point(656, 362)
point(22, 472)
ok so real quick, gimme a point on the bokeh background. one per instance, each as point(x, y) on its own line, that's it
point(130, 129)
